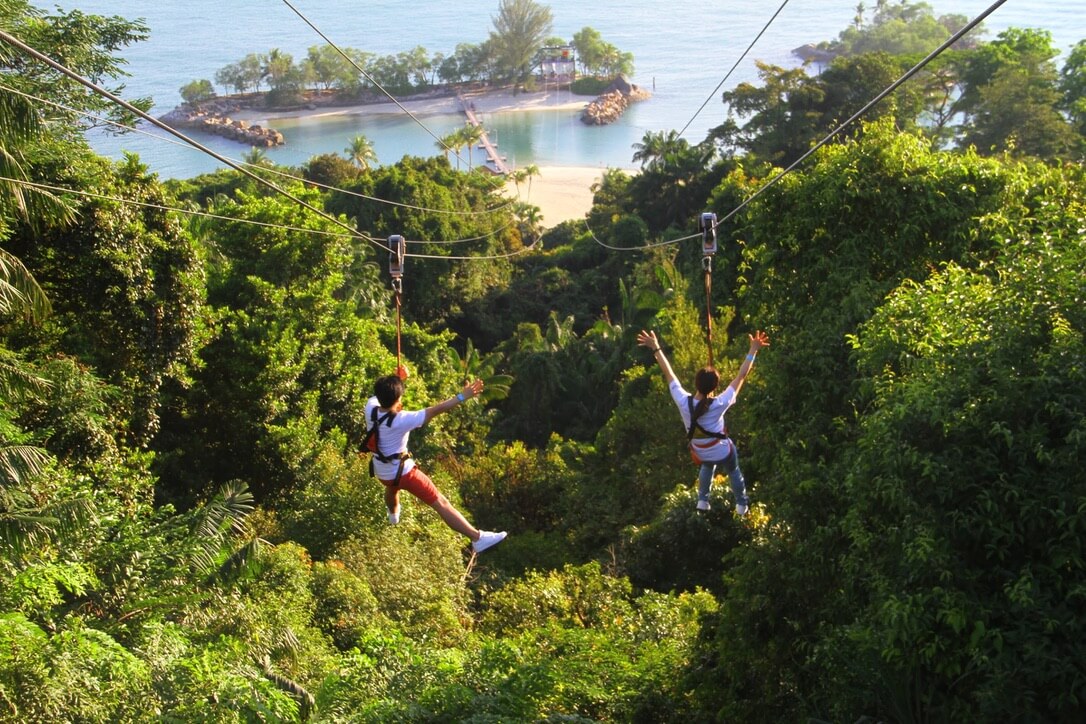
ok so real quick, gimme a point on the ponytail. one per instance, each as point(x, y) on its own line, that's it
point(705, 382)
point(703, 405)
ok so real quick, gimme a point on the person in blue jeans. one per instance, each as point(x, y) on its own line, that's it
point(703, 415)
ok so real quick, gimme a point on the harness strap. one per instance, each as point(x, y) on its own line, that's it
point(695, 426)
point(402, 456)
point(707, 263)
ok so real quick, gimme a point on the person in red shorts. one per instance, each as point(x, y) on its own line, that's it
point(393, 465)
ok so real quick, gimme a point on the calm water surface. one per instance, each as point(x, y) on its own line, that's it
point(681, 50)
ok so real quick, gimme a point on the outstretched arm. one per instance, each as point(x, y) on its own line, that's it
point(649, 340)
point(464, 395)
point(757, 340)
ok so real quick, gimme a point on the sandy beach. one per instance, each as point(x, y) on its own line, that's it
point(491, 101)
point(561, 192)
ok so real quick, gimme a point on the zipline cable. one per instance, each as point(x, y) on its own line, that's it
point(653, 245)
point(251, 222)
point(396, 268)
point(729, 73)
point(251, 165)
point(377, 85)
point(41, 57)
point(266, 169)
point(162, 207)
point(708, 249)
point(889, 89)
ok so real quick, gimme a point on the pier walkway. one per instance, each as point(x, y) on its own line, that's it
point(497, 163)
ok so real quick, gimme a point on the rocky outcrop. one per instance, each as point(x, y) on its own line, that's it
point(213, 117)
point(613, 102)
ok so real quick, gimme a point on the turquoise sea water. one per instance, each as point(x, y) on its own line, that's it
point(681, 51)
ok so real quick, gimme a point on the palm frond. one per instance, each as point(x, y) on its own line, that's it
point(19, 291)
point(21, 530)
point(225, 513)
point(238, 563)
point(17, 382)
point(19, 463)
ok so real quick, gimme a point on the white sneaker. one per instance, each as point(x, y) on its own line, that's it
point(741, 509)
point(487, 539)
point(394, 517)
point(703, 505)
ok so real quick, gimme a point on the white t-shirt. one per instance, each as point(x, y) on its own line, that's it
point(712, 420)
point(392, 440)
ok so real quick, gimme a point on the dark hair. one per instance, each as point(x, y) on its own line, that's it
point(705, 382)
point(388, 390)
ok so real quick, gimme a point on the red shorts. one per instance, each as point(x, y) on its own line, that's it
point(418, 484)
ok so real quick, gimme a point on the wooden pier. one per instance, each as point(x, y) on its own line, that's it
point(497, 163)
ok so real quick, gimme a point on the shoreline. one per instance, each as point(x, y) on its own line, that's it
point(562, 193)
point(490, 101)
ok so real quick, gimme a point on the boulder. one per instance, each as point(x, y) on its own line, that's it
point(612, 103)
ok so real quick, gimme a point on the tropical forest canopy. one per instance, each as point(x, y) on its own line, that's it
point(188, 532)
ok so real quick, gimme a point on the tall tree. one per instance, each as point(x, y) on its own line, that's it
point(1012, 98)
point(1073, 87)
point(361, 152)
point(520, 27)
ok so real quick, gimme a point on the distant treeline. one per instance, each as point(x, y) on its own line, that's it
point(510, 54)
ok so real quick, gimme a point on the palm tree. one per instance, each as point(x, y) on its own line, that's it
point(454, 141)
point(530, 217)
point(654, 147)
point(445, 144)
point(361, 152)
point(525, 174)
point(476, 366)
point(20, 126)
point(257, 157)
point(19, 291)
point(472, 134)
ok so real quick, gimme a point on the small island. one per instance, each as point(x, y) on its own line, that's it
point(520, 65)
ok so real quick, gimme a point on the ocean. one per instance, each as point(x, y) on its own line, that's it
point(681, 53)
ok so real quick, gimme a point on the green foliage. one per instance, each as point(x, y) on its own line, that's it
point(520, 27)
point(1012, 99)
point(346, 608)
point(197, 91)
point(905, 28)
point(907, 537)
point(79, 673)
point(588, 86)
point(513, 486)
point(1073, 87)
point(128, 288)
point(331, 169)
point(416, 572)
point(913, 438)
point(435, 290)
point(683, 549)
point(977, 482)
point(598, 57)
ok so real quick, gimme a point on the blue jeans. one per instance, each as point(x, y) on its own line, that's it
point(730, 465)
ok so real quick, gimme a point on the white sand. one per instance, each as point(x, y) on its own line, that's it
point(497, 101)
point(561, 192)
